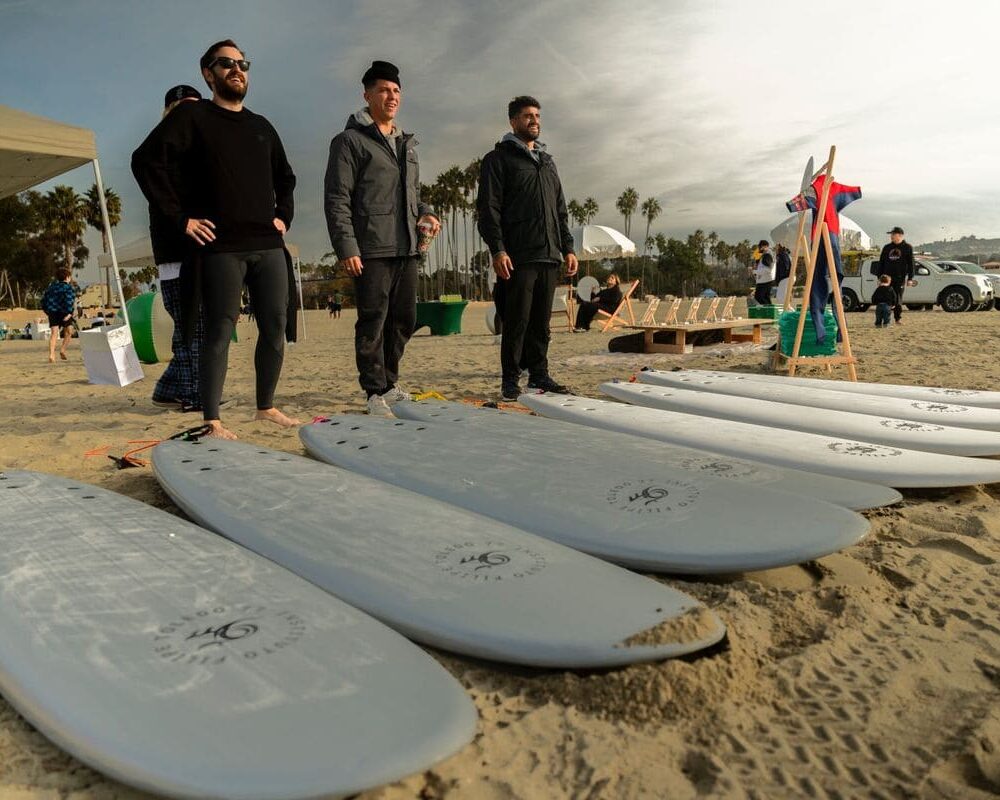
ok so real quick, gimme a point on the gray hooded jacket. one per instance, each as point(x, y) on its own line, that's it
point(372, 192)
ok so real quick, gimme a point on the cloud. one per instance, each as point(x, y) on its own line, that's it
point(712, 107)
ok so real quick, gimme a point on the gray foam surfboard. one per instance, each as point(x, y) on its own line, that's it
point(931, 394)
point(905, 433)
point(439, 574)
point(831, 455)
point(631, 510)
point(850, 494)
point(809, 396)
point(177, 662)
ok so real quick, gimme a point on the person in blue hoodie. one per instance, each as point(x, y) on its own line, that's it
point(58, 303)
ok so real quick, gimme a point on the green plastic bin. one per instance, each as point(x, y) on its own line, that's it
point(764, 312)
point(788, 324)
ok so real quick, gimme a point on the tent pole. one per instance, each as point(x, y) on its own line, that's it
point(302, 305)
point(111, 241)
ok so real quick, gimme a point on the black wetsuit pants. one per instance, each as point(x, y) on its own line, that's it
point(264, 273)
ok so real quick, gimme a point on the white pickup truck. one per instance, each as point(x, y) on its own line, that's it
point(953, 291)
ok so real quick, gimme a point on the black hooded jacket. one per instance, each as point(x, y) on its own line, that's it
point(521, 206)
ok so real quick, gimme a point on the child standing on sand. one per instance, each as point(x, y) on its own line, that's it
point(884, 299)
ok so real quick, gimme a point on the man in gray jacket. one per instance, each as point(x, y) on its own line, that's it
point(372, 202)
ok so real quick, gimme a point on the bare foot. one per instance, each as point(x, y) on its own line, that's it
point(218, 432)
point(52, 359)
point(62, 355)
point(275, 416)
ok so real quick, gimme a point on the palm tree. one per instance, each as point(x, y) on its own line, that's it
point(65, 220)
point(713, 244)
point(92, 210)
point(451, 183)
point(626, 204)
point(650, 210)
point(590, 209)
point(470, 188)
point(576, 212)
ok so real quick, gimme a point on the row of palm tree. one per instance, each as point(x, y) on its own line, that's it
point(49, 231)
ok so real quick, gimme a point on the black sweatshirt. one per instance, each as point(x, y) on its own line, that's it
point(884, 294)
point(896, 261)
point(205, 162)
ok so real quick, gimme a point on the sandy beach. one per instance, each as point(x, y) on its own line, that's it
point(872, 673)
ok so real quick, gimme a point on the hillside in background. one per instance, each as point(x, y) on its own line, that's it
point(967, 248)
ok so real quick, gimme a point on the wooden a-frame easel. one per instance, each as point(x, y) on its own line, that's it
point(821, 235)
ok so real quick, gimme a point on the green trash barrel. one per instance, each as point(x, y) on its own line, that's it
point(443, 317)
point(151, 326)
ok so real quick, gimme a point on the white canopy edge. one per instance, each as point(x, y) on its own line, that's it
point(34, 149)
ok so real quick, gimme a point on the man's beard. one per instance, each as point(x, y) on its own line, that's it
point(229, 91)
point(527, 135)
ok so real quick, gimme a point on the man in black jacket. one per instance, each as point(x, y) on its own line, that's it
point(178, 386)
point(896, 261)
point(524, 222)
point(217, 172)
point(372, 202)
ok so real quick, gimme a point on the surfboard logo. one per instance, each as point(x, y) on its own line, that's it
point(489, 561)
point(654, 497)
point(955, 392)
point(940, 408)
point(735, 470)
point(863, 449)
point(906, 425)
point(213, 636)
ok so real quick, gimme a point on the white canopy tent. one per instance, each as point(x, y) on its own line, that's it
point(138, 254)
point(34, 149)
point(852, 236)
point(594, 242)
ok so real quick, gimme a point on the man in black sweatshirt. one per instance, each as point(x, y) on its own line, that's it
point(218, 172)
point(896, 261)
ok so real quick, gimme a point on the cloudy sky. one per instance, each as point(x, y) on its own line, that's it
point(712, 106)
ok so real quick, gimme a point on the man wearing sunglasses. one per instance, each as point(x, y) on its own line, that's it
point(218, 173)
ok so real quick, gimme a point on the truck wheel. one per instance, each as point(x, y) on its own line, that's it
point(955, 299)
point(850, 300)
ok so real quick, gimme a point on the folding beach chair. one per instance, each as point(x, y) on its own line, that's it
point(692, 315)
point(671, 318)
point(648, 319)
point(613, 318)
point(710, 315)
point(727, 309)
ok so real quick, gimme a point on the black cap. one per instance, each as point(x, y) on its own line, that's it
point(182, 92)
point(383, 70)
point(897, 229)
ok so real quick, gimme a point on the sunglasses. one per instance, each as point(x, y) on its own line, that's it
point(228, 63)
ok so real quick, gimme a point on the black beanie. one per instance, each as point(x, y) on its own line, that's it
point(383, 70)
point(182, 92)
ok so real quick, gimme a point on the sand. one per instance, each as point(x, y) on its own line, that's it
point(871, 673)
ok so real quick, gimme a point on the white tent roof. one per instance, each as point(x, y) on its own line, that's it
point(594, 242)
point(34, 149)
point(852, 235)
point(132, 256)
